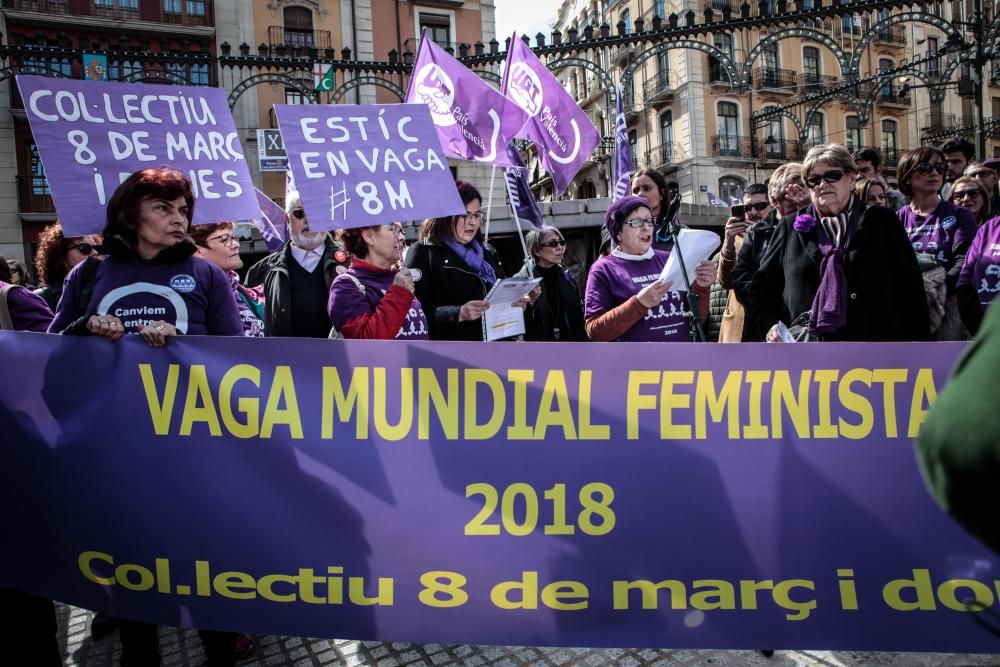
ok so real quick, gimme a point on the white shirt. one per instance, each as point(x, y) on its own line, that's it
point(308, 259)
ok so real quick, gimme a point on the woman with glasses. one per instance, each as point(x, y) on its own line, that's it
point(967, 192)
point(374, 298)
point(625, 300)
point(873, 191)
point(557, 313)
point(839, 270)
point(454, 269)
point(19, 273)
point(218, 244)
point(56, 256)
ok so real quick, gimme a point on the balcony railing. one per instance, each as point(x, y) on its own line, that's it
point(291, 38)
point(663, 154)
point(717, 74)
point(771, 148)
point(731, 145)
point(774, 79)
point(657, 89)
point(817, 83)
point(890, 94)
point(190, 13)
point(890, 157)
point(894, 34)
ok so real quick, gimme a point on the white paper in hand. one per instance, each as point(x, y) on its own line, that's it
point(697, 245)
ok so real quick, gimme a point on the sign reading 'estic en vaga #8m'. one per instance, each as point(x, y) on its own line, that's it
point(531, 494)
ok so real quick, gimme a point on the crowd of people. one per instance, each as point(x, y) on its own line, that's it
point(824, 251)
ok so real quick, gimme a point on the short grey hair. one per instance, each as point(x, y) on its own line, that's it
point(782, 177)
point(834, 155)
point(534, 238)
point(291, 197)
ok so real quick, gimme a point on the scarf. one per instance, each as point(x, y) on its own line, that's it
point(617, 252)
point(473, 256)
point(834, 235)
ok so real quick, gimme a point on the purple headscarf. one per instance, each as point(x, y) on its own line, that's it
point(619, 212)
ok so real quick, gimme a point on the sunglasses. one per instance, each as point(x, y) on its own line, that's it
point(224, 239)
point(831, 176)
point(299, 214)
point(927, 168)
point(965, 194)
point(639, 223)
point(554, 243)
point(759, 206)
point(82, 248)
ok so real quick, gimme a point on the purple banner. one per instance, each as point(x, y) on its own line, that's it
point(564, 133)
point(357, 166)
point(623, 154)
point(530, 494)
point(473, 120)
point(518, 190)
point(92, 135)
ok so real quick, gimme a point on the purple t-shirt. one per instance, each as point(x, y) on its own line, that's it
point(348, 302)
point(613, 280)
point(982, 264)
point(192, 294)
point(940, 231)
point(28, 311)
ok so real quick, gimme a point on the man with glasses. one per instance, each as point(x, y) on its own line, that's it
point(870, 166)
point(297, 277)
point(987, 176)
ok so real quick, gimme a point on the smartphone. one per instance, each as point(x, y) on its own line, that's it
point(737, 211)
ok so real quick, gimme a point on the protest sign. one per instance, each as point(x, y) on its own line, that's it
point(473, 120)
point(93, 134)
point(574, 494)
point(357, 166)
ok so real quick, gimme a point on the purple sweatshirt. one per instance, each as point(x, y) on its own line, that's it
point(347, 302)
point(613, 280)
point(948, 225)
point(28, 311)
point(192, 294)
point(982, 265)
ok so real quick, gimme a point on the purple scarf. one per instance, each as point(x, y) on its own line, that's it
point(829, 307)
point(472, 255)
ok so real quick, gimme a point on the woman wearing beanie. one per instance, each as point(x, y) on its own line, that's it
point(625, 300)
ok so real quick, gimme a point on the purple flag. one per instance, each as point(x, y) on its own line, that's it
point(623, 156)
point(270, 222)
point(715, 201)
point(357, 166)
point(565, 135)
point(473, 120)
point(92, 135)
point(518, 189)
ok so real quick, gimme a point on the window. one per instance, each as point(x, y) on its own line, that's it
point(633, 147)
point(724, 42)
point(438, 28)
point(199, 75)
point(586, 190)
point(769, 57)
point(853, 133)
point(173, 6)
point(298, 27)
point(626, 16)
point(774, 136)
point(890, 140)
point(934, 64)
point(660, 8)
point(731, 188)
point(663, 66)
point(883, 31)
point(293, 96)
point(667, 129)
point(811, 64)
point(884, 66)
point(729, 129)
point(119, 70)
point(39, 184)
point(46, 66)
point(178, 70)
point(815, 133)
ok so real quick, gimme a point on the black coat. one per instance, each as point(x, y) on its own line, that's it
point(564, 304)
point(886, 299)
point(755, 245)
point(446, 283)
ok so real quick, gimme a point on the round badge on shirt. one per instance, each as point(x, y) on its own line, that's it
point(183, 283)
point(340, 256)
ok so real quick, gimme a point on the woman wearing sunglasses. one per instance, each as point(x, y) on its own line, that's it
point(967, 192)
point(838, 269)
point(557, 314)
point(625, 300)
point(218, 244)
point(56, 256)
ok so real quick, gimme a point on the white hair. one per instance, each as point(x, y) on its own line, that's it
point(290, 198)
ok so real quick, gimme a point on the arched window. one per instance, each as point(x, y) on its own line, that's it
point(731, 188)
point(298, 27)
point(729, 129)
point(853, 133)
point(121, 69)
point(626, 16)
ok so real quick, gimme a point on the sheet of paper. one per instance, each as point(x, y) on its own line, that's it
point(697, 245)
point(501, 319)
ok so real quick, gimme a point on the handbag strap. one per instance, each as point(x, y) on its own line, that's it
point(6, 321)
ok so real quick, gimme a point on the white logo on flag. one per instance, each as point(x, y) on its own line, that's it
point(526, 88)
point(437, 91)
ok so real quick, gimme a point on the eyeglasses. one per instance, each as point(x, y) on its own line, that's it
point(477, 216)
point(927, 168)
point(831, 176)
point(963, 194)
point(554, 243)
point(759, 206)
point(983, 174)
point(224, 239)
point(82, 248)
point(299, 214)
point(639, 223)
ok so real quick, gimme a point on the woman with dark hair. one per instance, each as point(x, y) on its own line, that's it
point(56, 256)
point(837, 269)
point(374, 298)
point(149, 283)
point(20, 274)
point(652, 186)
point(454, 269)
point(873, 191)
point(218, 244)
point(557, 313)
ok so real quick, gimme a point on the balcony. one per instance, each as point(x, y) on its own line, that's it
point(890, 157)
point(770, 149)
point(664, 155)
point(717, 74)
point(731, 146)
point(894, 35)
point(290, 38)
point(891, 96)
point(935, 65)
point(657, 91)
point(775, 80)
point(816, 83)
point(623, 54)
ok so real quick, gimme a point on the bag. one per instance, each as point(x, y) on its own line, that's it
point(799, 328)
point(6, 321)
point(334, 333)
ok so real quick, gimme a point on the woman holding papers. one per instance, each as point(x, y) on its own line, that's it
point(557, 314)
point(625, 299)
point(841, 270)
point(454, 269)
point(374, 299)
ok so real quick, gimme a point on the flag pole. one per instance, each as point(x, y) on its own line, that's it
point(489, 203)
point(517, 221)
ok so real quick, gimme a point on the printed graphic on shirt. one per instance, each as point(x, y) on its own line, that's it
point(990, 284)
point(138, 304)
point(183, 283)
point(415, 324)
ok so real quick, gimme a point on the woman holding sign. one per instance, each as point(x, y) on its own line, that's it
point(625, 299)
point(454, 269)
point(374, 299)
